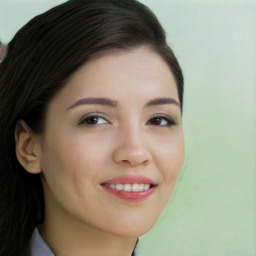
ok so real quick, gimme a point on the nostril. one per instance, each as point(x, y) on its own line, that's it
point(132, 156)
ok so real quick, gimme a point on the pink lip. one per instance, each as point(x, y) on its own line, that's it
point(130, 195)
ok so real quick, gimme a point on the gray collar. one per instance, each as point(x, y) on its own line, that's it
point(39, 246)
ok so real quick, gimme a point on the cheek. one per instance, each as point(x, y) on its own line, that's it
point(60, 166)
point(69, 161)
point(69, 168)
point(170, 157)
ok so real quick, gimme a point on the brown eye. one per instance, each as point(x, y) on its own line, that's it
point(93, 120)
point(161, 121)
point(156, 121)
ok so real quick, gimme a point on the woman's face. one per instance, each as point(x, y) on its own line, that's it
point(116, 123)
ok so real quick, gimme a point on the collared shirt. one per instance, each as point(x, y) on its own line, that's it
point(40, 248)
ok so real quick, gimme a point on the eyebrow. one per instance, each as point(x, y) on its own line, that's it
point(162, 101)
point(98, 101)
point(114, 103)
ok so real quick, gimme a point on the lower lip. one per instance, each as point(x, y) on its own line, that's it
point(130, 196)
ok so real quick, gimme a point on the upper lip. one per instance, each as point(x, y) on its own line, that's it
point(130, 179)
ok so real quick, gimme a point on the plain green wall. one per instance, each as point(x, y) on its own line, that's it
point(213, 209)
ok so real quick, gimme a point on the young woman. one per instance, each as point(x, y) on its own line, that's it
point(91, 141)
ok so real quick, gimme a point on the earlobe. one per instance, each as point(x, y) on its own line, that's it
point(27, 148)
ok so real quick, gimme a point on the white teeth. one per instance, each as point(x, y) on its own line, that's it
point(130, 187)
point(127, 187)
point(146, 186)
point(119, 186)
point(135, 187)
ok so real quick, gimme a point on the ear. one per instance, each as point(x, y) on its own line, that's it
point(27, 147)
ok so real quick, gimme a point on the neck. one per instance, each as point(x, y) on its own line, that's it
point(86, 243)
point(66, 237)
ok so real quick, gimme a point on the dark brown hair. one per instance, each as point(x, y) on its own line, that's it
point(41, 57)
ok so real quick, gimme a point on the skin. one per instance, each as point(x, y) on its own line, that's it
point(2, 51)
point(74, 158)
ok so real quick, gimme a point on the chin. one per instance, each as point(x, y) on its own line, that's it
point(134, 229)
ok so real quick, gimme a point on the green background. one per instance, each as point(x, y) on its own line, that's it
point(213, 208)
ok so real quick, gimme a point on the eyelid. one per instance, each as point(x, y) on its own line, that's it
point(169, 119)
point(94, 114)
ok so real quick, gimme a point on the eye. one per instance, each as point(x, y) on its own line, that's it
point(93, 120)
point(161, 121)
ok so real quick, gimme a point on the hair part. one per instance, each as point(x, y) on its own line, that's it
point(41, 58)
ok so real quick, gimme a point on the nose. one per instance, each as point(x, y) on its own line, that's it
point(131, 150)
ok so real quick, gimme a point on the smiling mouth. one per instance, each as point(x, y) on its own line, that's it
point(130, 192)
point(130, 187)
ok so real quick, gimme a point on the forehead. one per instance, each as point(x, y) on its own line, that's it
point(122, 74)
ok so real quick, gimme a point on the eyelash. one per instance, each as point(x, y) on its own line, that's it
point(169, 121)
point(85, 119)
